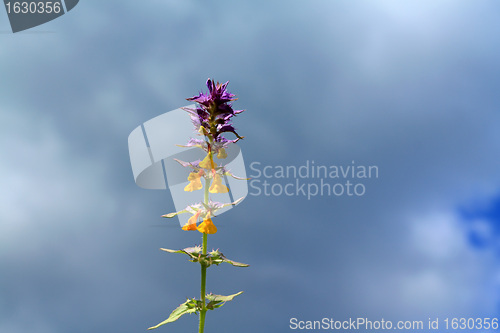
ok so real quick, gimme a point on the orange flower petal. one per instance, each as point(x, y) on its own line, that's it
point(188, 226)
point(207, 227)
point(193, 219)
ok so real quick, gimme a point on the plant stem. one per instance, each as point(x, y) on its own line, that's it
point(203, 286)
point(203, 311)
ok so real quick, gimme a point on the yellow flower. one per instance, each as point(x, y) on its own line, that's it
point(191, 223)
point(221, 153)
point(194, 182)
point(202, 131)
point(207, 227)
point(188, 227)
point(217, 186)
point(208, 162)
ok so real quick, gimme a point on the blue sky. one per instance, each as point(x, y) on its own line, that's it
point(408, 86)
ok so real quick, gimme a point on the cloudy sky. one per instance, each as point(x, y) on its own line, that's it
point(407, 86)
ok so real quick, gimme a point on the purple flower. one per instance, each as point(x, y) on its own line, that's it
point(214, 112)
point(217, 94)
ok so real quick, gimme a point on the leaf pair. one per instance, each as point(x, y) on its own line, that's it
point(214, 257)
point(194, 306)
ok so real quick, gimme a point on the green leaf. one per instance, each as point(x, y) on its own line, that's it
point(172, 251)
point(215, 257)
point(212, 297)
point(235, 263)
point(234, 203)
point(169, 215)
point(218, 258)
point(216, 301)
point(227, 173)
point(192, 252)
point(190, 306)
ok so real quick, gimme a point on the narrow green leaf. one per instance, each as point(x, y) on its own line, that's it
point(232, 262)
point(235, 177)
point(186, 307)
point(169, 215)
point(192, 252)
point(233, 203)
point(214, 305)
point(235, 263)
point(212, 297)
point(216, 301)
point(172, 251)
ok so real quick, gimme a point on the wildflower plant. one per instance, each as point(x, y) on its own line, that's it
point(212, 118)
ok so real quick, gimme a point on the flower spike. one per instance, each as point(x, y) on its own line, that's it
point(212, 117)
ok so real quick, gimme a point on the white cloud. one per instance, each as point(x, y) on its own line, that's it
point(449, 274)
point(46, 185)
point(438, 236)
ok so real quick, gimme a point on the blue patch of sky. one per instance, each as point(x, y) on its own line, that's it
point(487, 211)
